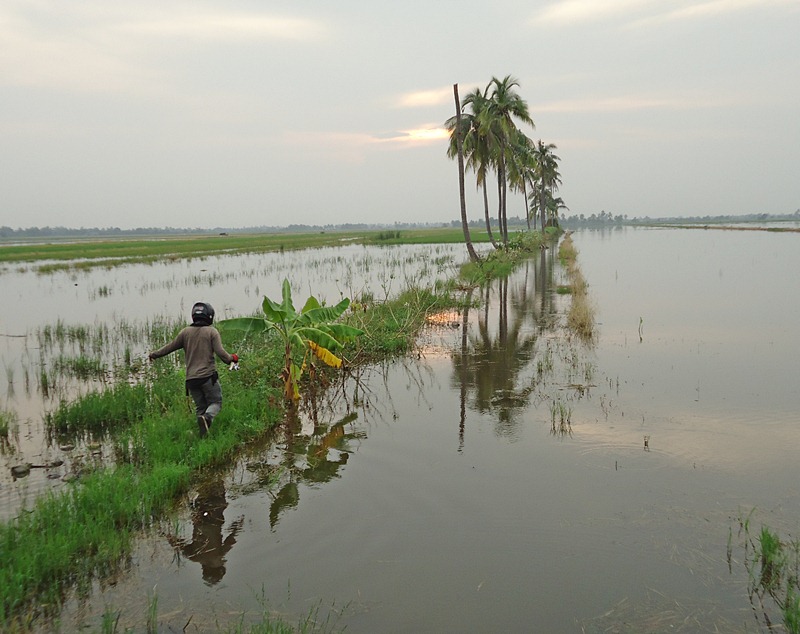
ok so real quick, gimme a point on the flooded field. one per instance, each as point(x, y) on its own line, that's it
point(66, 332)
point(510, 478)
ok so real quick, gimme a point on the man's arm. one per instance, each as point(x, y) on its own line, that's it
point(172, 346)
point(216, 342)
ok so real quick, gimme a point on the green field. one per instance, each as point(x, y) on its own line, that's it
point(113, 252)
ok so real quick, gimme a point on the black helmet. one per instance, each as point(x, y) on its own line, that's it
point(203, 313)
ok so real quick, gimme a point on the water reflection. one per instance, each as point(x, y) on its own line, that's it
point(207, 545)
point(312, 460)
point(496, 351)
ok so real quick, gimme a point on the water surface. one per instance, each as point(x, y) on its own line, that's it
point(512, 478)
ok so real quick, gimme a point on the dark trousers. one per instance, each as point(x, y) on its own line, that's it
point(207, 397)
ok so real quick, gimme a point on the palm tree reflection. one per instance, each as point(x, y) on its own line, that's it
point(495, 352)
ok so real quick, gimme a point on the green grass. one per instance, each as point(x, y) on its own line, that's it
point(109, 253)
point(501, 262)
point(115, 408)
point(390, 327)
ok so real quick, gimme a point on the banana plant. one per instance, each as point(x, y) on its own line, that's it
point(312, 331)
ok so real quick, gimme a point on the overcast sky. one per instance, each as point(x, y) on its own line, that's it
point(244, 113)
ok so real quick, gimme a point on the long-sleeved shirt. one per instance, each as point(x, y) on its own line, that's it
point(200, 344)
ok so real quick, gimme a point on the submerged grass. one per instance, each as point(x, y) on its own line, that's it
point(773, 567)
point(81, 367)
point(580, 317)
point(265, 622)
point(7, 419)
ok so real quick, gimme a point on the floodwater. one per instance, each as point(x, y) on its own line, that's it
point(104, 315)
point(513, 478)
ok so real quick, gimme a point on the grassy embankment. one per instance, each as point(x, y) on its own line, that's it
point(501, 262)
point(65, 540)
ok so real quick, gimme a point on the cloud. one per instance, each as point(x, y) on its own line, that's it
point(94, 48)
point(626, 103)
point(28, 58)
point(226, 26)
point(712, 8)
point(644, 12)
point(574, 11)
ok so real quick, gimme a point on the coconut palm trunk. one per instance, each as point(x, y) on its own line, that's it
point(464, 224)
point(525, 198)
point(542, 210)
point(486, 214)
point(501, 198)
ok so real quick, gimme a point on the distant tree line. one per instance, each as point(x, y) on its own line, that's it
point(107, 232)
point(604, 219)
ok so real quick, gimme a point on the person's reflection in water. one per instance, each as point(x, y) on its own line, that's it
point(207, 547)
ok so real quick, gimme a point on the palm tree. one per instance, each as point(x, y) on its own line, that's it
point(522, 169)
point(547, 176)
point(504, 106)
point(459, 134)
point(476, 146)
point(488, 140)
point(554, 205)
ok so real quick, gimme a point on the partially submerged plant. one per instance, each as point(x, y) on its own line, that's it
point(310, 331)
point(580, 317)
point(7, 418)
point(773, 567)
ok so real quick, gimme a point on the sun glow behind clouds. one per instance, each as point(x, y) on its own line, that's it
point(427, 134)
point(423, 98)
point(354, 147)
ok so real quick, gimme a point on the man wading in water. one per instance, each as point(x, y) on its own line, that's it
point(201, 341)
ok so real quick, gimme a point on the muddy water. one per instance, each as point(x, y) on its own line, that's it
point(511, 479)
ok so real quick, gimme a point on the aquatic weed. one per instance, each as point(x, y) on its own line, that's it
point(773, 567)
